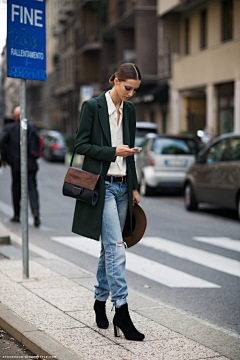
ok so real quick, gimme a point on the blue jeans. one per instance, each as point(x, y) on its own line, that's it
point(111, 266)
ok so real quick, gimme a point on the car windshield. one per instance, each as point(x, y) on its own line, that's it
point(174, 146)
point(138, 140)
point(59, 141)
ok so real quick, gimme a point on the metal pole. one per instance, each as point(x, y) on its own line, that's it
point(24, 178)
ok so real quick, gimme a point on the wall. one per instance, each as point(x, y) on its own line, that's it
point(163, 6)
point(51, 44)
point(208, 66)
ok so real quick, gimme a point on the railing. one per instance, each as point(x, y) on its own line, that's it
point(87, 40)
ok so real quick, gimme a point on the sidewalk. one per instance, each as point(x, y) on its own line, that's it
point(52, 315)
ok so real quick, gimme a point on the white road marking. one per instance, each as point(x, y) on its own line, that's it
point(139, 265)
point(223, 242)
point(7, 210)
point(197, 256)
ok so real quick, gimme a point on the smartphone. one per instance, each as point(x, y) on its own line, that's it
point(137, 148)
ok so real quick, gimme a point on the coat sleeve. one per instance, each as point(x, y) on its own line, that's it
point(3, 144)
point(84, 133)
point(132, 141)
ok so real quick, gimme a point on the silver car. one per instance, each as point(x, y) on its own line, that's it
point(163, 162)
point(143, 128)
point(215, 178)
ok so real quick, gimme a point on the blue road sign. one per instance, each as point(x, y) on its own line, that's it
point(26, 39)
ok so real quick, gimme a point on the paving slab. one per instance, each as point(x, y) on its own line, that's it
point(52, 314)
point(10, 251)
point(68, 270)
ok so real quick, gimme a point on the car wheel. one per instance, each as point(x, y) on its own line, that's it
point(190, 198)
point(50, 157)
point(145, 190)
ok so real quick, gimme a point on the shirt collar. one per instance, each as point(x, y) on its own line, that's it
point(110, 104)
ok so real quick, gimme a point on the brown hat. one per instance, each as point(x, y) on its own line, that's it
point(139, 224)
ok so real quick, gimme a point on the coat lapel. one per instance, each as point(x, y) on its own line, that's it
point(126, 123)
point(104, 118)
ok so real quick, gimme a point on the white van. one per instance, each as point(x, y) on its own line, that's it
point(143, 128)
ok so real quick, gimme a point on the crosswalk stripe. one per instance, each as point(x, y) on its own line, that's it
point(223, 242)
point(213, 261)
point(7, 210)
point(139, 265)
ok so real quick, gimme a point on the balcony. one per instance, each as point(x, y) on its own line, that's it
point(167, 6)
point(90, 42)
point(56, 30)
point(164, 60)
point(69, 7)
point(85, 2)
point(62, 17)
point(64, 87)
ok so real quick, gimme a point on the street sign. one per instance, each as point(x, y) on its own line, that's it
point(86, 92)
point(26, 39)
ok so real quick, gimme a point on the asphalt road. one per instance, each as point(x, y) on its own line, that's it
point(12, 349)
point(187, 260)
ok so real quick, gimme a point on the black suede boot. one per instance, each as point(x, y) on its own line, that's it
point(101, 317)
point(123, 321)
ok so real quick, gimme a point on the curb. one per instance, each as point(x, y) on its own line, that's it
point(4, 236)
point(35, 340)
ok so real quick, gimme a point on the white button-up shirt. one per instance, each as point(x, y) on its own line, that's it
point(117, 168)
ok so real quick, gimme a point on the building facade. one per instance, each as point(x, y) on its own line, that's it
point(43, 106)
point(131, 36)
point(199, 54)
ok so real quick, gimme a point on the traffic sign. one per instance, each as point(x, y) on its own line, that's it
point(26, 39)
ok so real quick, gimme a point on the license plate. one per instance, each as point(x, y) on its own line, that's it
point(176, 162)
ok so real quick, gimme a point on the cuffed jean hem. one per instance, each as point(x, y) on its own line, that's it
point(119, 303)
point(101, 298)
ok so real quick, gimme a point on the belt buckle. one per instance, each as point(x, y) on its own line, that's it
point(120, 182)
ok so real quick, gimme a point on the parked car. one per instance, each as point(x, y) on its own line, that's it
point(163, 161)
point(143, 128)
point(54, 146)
point(215, 178)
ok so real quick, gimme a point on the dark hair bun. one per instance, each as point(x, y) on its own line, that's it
point(111, 79)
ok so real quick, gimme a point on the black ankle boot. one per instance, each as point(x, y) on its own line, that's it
point(123, 321)
point(101, 317)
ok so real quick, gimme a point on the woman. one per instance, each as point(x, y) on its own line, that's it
point(106, 136)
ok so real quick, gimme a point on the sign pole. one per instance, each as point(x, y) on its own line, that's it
point(26, 59)
point(24, 178)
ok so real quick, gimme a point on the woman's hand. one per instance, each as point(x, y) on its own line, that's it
point(124, 151)
point(136, 197)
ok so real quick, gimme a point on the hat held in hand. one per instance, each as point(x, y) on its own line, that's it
point(139, 224)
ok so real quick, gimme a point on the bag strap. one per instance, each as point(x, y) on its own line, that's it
point(101, 165)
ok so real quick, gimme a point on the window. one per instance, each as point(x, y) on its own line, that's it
point(145, 145)
point(227, 20)
point(216, 151)
point(225, 107)
point(234, 151)
point(203, 29)
point(186, 29)
point(171, 146)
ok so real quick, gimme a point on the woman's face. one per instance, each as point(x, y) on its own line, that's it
point(127, 88)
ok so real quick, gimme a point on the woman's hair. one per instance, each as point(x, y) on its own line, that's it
point(126, 71)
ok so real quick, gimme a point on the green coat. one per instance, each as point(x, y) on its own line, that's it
point(87, 219)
